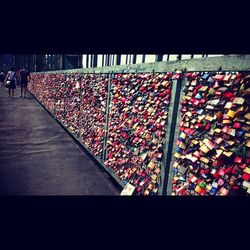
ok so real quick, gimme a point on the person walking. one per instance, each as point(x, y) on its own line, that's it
point(2, 77)
point(10, 79)
point(24, 79)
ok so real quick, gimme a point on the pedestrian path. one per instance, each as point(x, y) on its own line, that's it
point(38, 157)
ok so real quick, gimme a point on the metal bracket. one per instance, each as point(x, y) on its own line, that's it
point(128, 68)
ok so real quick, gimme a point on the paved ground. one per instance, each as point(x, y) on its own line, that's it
point(37, 157)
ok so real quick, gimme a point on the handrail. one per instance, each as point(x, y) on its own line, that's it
point(220, 63)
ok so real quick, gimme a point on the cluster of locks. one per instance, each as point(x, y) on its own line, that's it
point(122, 120)
point(213, 148)
point(138, 118)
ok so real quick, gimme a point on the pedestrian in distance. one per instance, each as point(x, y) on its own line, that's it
point(10, 81)
point(2, 77)
point(24, 79)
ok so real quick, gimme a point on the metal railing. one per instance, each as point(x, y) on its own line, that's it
point(231, 63)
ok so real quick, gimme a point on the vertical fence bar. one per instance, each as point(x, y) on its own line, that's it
point(171, 129)
point(80, 111)
point(64, 96)
point(54, 102)
point(167, 135)
point(107, 118)
point(176, 135)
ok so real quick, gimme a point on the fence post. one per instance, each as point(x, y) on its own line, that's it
point(64, 97)
point(172, 132)
point(80, 111)
point(54, 101)
point(107, 118)
point(165, 143)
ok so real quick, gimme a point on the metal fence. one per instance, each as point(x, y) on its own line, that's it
point(171, 132)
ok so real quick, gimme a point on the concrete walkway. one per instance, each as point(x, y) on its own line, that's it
point(37, 157)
